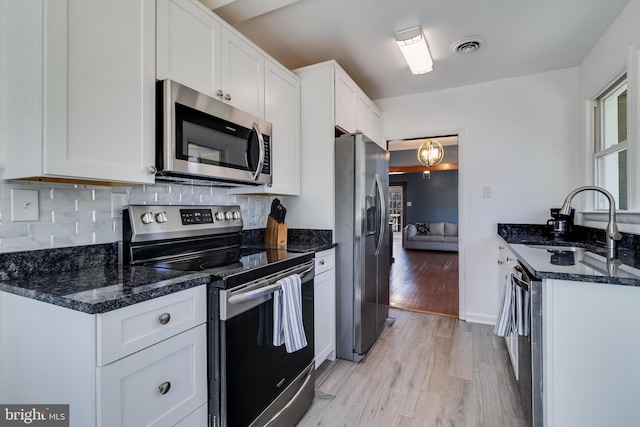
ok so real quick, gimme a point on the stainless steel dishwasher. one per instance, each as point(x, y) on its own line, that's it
point(530, 352)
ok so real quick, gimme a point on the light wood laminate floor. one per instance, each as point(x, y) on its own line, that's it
point(425, 370)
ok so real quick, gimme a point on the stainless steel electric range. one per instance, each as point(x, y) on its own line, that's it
point(251, 381)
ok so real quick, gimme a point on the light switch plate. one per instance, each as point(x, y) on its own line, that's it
point(24, 205)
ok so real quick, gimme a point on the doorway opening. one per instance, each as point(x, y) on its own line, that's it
point(424, 279)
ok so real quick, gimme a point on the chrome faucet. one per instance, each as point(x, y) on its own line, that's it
point(612, 228)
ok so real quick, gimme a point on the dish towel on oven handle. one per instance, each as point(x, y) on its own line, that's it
point(288, 328)
point(508, 316)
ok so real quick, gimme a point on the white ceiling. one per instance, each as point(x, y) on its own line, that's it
point(520, 37)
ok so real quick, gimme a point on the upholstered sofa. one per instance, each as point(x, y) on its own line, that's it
point(435, 236)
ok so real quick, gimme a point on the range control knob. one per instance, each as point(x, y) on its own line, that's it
point(236, 214)
point(228, 215)
point(147, 218)
point(161, 217)
point(219, 215)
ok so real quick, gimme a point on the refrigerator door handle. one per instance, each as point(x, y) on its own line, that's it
point(383, 214)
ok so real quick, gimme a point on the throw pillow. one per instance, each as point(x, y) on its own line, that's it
point(423, 229)
point(437, 228)
point(450, 229)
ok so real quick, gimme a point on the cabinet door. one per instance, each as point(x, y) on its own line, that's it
point(242, 74)
point(376, 128)
point(158, 386)
point(346, 102)
point(364, 110)
point(325, 307)
point(282, 109)
point(189, 45)
point(100, 90)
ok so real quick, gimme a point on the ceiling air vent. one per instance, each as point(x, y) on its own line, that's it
point(467, 45)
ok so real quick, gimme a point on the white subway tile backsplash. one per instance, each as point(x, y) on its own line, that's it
point(17, 230)
point(76, 215)
point(70, 193)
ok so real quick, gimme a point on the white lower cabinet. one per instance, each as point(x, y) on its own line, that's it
point(325, 307)
point(198, 418)
point(141, 365)
point(507, 261)
point(159, 385)
point(590, 353)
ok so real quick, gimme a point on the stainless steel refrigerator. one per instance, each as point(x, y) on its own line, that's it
point(362, 253)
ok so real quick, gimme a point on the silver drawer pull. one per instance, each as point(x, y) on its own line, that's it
point(164, 318)
point(321, 262)
point(164, 387)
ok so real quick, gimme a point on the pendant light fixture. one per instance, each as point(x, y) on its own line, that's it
point(413, 46)
point(430, 154)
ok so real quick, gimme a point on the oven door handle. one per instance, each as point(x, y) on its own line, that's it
point(248, 296)
point(266, 290)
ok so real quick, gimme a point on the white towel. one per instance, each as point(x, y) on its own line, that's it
point(514, 310)
point(287, 314)
point(524, 326)
point(507, 316)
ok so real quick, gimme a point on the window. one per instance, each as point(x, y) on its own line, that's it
point(610, 153)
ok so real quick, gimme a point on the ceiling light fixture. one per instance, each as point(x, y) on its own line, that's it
point(430, 154)
point(413, 46)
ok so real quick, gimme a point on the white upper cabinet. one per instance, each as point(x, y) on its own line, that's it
point(196, 49)
point(79, 98)
point(242, 75)
point(199, 50)
point(346, 93)
point(189, 47)
point(354, 111)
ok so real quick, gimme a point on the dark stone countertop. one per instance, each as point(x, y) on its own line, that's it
point(584, 260)
point(101, 289)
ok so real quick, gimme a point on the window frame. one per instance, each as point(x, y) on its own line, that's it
point(599, 153)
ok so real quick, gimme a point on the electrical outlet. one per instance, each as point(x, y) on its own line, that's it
point(118, 202)
point(24, 205)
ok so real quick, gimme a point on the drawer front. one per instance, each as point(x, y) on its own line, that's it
point(127, 330)
point(325, 260)
point(160, 385)
point(199, 418)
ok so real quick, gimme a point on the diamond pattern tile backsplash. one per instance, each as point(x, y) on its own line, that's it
point(76, 215)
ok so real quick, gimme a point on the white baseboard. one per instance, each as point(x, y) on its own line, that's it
point(485, 319)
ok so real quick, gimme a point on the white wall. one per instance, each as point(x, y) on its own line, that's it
point(617, 51)
point(518, 136)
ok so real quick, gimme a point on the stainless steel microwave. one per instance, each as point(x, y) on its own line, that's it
point(202, 138)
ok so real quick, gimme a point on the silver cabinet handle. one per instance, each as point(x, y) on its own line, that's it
point(152, 170)
point(321, 262)
point(227, 97)
point(164, 318)
point(164, 387)
point(219, 93)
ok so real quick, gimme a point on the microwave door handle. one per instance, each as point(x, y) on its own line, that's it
point(256, 129)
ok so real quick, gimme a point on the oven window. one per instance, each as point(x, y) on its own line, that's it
point(257, 372)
